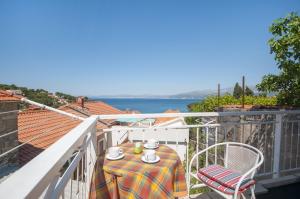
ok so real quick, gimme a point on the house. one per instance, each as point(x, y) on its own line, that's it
point(177, 121)
point(85, 109)
point(40, 128)
point(142, 130)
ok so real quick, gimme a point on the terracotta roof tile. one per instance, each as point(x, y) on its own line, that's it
point(92, 108)
point(166, 119)
point(97, 108)
point(7, 96)
point(41, 128)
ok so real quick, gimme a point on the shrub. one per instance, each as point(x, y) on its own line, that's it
point(210, 103)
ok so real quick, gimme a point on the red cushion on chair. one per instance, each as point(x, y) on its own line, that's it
point(217, 185)
point(225, 177)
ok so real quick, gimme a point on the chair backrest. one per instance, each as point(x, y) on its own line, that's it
point(241, 158)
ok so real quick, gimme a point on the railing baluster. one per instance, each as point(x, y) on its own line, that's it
point(86, 170)
point(234, 133)
point(243, 133)
point(291, 153)
point(225, 134)
point(82, 175)
point(63, 195)
point(285, 145)
point(272, 146)
point(197, 149)
point(166, 141)
point(297, 153)
point(251, 129)
point(206, 158)
point(187, 160)
point(71, 187)
point(265, 145)
point(77, 179)
point(277, 145)
point(216, 141)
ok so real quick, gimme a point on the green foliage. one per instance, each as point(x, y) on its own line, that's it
point(38, 95)
point(285, 45)
point(69, 98)
point(41, 97)
point(211, 103)
point(263, 94)
point(237, 91)
point(248, 91)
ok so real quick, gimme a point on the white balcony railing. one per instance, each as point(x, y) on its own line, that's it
point(65, 168)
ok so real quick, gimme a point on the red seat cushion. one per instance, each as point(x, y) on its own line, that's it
point(223, 179)
point(217, 185)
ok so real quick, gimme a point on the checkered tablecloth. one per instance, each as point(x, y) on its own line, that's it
point(130, 177)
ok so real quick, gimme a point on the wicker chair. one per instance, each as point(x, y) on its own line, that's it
point(234, 175)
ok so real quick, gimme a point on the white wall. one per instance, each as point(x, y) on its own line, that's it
point(172, 137)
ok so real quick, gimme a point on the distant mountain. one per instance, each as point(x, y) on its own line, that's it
point(193, 94)
point(130, 96)
point(204, 93)
point(197, 94)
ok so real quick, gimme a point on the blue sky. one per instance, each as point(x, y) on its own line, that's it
point(136, 47)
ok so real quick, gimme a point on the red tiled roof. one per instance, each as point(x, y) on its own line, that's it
point(41, 128)
point(7, 96)
point(80, 114)
point(166, 119)
point(92, 108)
point(98, 108)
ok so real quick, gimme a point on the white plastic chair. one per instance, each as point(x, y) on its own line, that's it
point(239, 157)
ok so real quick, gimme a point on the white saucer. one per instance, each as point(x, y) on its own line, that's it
point(115, 158)
point(157, 158)
point(150, 147)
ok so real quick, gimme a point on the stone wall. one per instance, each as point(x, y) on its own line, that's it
point(8, 123)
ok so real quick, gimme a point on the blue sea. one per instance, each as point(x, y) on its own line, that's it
point(149, 105)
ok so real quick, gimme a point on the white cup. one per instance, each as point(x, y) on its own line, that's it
point(114, 151)
point(149, 155)
point(152, 143)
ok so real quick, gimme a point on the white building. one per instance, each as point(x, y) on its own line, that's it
point(159, 129)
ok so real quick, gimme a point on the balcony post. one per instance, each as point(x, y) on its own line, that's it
point(277, 146)
point(91, 158)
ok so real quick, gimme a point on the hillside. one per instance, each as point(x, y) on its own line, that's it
point(40, 95)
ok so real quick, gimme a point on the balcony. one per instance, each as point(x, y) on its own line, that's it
point(65, 169)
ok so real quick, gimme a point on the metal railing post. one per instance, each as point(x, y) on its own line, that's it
point(277, 146)
point(206, 145)
point(197, 149)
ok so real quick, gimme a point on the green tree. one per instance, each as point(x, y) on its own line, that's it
point(69, 98)
point(285, 45)
point(248, 91)
point(237, 91)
